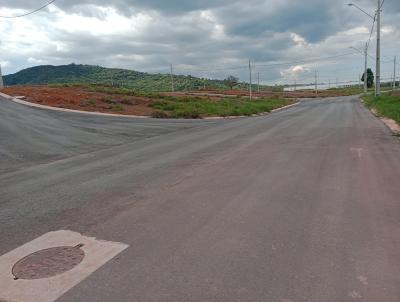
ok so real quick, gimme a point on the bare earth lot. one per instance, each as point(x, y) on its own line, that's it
point(114, 100)
point(79, 98)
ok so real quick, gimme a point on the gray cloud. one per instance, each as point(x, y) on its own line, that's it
point(198, 37)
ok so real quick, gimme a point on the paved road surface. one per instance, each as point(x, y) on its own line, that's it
point(302, 205)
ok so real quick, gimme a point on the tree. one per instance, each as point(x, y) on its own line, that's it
point(370, 78)
point(231, 81)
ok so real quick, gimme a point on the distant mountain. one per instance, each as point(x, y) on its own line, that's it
point(75, 74)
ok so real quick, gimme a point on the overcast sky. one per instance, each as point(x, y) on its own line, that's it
point(211, 38)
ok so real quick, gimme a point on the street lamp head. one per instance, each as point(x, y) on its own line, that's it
point(360, 9)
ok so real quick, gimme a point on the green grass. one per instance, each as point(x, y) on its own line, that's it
point(121, 91)
point(86, 103)
point(117, 107)
point(386, 105)
point(192, 107)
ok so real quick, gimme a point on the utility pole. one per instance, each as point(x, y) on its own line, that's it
point(1, 79)
point(366, 69)
point(316, 83)
point(251, 83)
point(258, 82)
point(172, 80)
point(394, 74)
point(378, 50)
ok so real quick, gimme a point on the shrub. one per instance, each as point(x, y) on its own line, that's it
point(160, 114)
point(86, 103)
point(127, 101)
point(117, 107)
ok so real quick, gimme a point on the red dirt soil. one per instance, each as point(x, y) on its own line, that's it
point(80, 98)
point(77, 98)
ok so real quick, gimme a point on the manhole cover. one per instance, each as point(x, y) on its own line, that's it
point(48, 263)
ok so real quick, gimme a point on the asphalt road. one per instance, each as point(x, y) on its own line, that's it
point(302, 205)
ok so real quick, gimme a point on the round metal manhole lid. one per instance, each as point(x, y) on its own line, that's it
point(48, 263)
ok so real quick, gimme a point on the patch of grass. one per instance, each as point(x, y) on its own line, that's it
point(67, 85)
point(127, 101)
point(160, 114)
point(117, 107)
point(107, 99)
point(86, 103)
point(121, 91)
point(194, 107)
point(386, 105)
point(110, 90)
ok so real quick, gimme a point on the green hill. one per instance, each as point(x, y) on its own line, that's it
point(78, 74)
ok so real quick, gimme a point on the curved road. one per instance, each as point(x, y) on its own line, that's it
point(298, 206)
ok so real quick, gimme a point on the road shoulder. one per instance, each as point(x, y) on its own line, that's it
point(390, 123)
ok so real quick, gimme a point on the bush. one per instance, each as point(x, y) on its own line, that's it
point(127, 101)
point(160, 114)
point(86, 103)
point(107, 99)
point(117, 107)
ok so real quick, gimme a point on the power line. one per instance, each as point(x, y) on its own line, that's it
point(305, 61)
point(372, 32)
point(30, 13)
point(213, 68)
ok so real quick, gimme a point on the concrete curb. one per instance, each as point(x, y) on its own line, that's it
point(16, 100)
point(254, 115)
point(286, 107)
point(391, 124)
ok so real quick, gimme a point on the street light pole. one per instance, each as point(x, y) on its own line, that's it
point(1, 79)
point(172, 79)
point(378, 51)
point(365, 53)
point(366, 69)
point(251, 82)
point(394, 73)
point(378, 43)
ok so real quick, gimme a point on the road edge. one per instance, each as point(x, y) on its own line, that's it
point(390, 123)
point(253, 115)
point(15, 100)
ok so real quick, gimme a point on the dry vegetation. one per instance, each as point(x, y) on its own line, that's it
point(195, 104)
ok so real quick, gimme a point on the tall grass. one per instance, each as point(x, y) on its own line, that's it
point(387, 105)
point(190, 107)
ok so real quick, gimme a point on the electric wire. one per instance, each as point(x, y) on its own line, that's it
point(29, 13)
point(262, 66)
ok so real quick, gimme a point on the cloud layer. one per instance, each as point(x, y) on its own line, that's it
point(205, 38)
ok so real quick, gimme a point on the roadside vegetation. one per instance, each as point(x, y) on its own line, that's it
point(109, 99)
point(190, 104)
point(387, 105)
point(194, 107)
